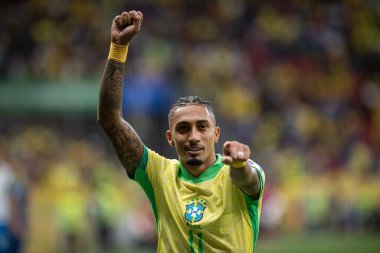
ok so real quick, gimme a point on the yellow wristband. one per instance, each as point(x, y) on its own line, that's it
point(118, 52)
point(238, 165)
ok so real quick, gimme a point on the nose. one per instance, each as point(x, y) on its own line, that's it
point(194, 135)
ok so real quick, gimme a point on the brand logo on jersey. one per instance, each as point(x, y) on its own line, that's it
point(194, 211)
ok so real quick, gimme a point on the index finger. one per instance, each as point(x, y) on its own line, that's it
point(227, 148)
point(118, 22)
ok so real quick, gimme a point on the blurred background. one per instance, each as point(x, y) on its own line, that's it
point(298, 81)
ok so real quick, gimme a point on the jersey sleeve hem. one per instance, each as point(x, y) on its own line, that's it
point(260, 173)
point(142, 164)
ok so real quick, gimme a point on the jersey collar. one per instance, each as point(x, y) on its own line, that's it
point(209, 173)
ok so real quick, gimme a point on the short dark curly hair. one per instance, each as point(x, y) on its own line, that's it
point(190, 100)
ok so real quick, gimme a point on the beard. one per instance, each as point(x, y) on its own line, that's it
point(194, 162)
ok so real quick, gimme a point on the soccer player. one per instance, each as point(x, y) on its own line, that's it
point(202, 202)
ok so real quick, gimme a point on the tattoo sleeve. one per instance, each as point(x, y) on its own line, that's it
point(126, 142)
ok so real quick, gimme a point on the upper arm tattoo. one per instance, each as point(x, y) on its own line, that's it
point(127, 144)
point(125, 140)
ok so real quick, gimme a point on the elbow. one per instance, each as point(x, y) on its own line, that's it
point(108, 121)
point(103, 121)
point(100, 119)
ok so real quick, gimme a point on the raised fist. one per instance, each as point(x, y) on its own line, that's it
point(125, 27)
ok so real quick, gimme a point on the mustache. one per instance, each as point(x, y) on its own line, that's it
point(192, 147)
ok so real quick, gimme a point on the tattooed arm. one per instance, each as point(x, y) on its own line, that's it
point(125, 140)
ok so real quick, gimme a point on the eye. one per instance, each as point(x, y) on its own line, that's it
point(203, 126)
point(182, 128)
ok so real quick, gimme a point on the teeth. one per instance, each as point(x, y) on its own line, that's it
point(193, 149)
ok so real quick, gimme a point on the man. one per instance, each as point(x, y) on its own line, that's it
point(7, 180)
point(203, 202)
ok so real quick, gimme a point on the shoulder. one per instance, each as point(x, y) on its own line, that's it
point(155, 158)
point(153, 162)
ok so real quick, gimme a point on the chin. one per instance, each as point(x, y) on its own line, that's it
point(194, 161)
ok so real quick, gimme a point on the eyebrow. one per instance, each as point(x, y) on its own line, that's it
point(196, 122)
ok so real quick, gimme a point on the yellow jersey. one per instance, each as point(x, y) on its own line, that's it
point(204, 214)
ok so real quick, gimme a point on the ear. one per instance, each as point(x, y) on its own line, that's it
point(217, 134)
point(169, 138)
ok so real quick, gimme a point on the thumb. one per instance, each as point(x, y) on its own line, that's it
point(227, 159)
point(117, 24)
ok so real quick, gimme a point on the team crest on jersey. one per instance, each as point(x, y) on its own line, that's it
point(194, 210)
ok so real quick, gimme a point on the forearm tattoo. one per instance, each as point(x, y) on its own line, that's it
point(125, 140)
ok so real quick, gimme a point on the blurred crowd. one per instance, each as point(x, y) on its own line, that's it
point(298, 81)
point(73, 197)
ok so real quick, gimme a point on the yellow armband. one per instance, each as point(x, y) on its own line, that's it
point(238, 165)
point(118, 52)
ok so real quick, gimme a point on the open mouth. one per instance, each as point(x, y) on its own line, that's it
point(194, 150)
